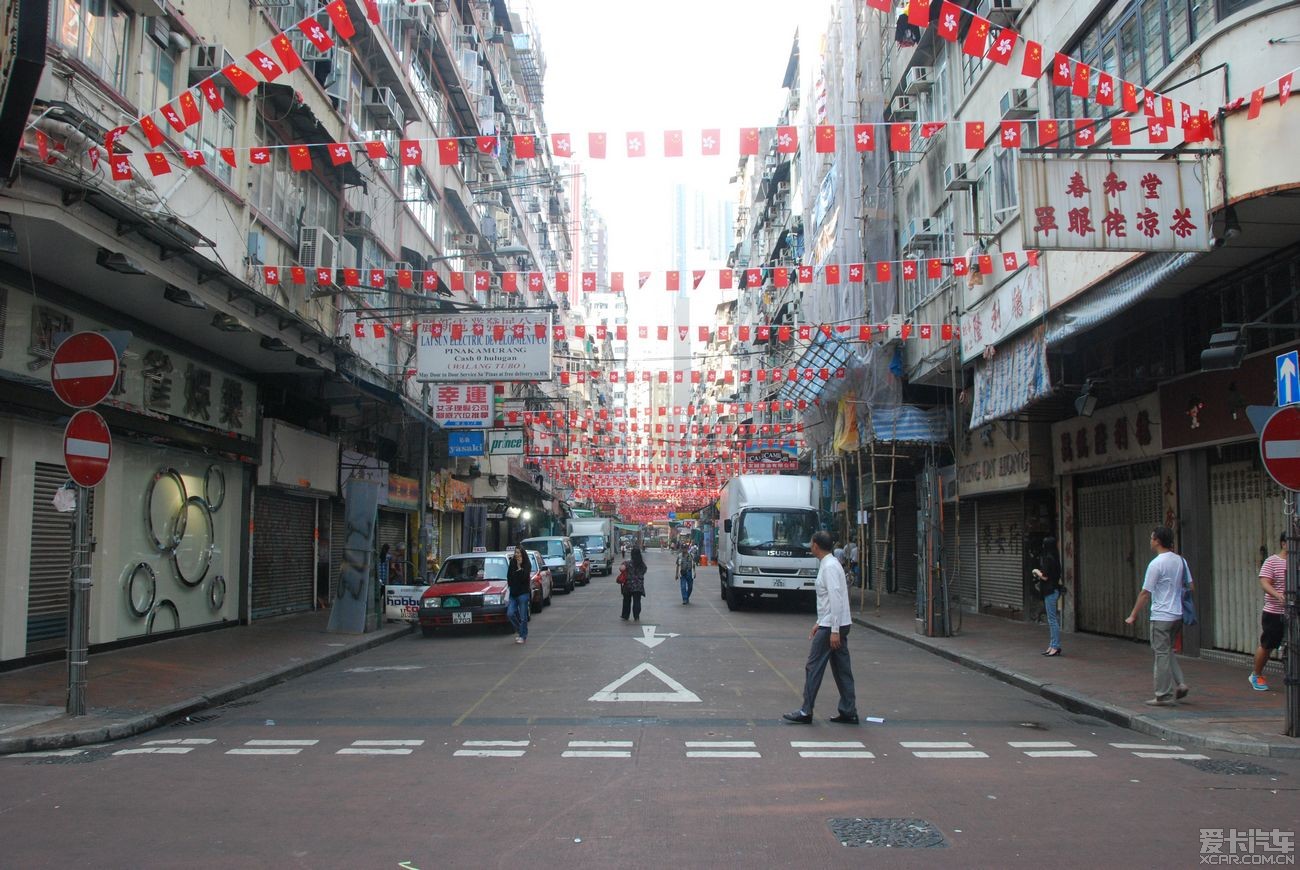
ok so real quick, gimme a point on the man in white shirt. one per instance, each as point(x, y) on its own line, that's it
point(1166, 577)
point(830, 638)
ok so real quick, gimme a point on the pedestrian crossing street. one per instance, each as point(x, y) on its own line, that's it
point(717, 750)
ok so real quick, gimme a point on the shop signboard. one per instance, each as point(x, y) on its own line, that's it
point(465, 443)
point(499, 346)
point(462, 406)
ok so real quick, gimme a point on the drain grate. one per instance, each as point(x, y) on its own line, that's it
point(1230, 768)
point(887, 833)
point(196, 720)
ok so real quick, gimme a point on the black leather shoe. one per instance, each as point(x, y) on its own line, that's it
point(841, 719)
point(799, 717)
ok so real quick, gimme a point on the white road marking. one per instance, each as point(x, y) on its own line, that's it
point(596, 744)
point(826, 744)
point(721, 749)
point(933, 745)
point(1061, 753)
point(814, 753)
point(649, 639)
point(284, 750)
point(495, 743)
point(596, 753)
point(371, 750)
point(181, 741)
point(732, 754)
point(1040, 744)
point(679, 694)
point(488, 753)
point(954, 754)
point(272, 747)
point(831, 749)
point(377, 668)
point(157, 750)
point(1149, 746)
point(387, 742)
point(720, 744)
point(281, 742)
point(49, 753)
point(1186, 756)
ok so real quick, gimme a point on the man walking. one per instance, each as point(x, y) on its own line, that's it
point(1272, 577)
point(830, 638)
point(1166, 577)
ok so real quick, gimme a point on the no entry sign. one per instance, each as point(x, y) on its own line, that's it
point(84, 369)
point(1279, 447)
point(87, 448)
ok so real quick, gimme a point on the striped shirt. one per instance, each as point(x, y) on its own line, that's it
point(1274, 570)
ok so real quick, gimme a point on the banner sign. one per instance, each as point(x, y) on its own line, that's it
point(1019, 302)
point(462, 406)
point(403, 493)
point(465, 443)
point(506, 442)
point(513, 346)
point(1113, 205)
point(779, 457)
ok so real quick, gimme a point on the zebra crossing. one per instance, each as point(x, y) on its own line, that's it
point(695, 750)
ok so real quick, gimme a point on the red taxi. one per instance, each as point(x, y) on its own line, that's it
point(470, 589)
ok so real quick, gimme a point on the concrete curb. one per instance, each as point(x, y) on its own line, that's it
point(1077, 702)
point(164, 715)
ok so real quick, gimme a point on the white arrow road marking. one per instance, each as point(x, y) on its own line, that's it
point(650, 639)
point(1272, 449)
point(679, 694)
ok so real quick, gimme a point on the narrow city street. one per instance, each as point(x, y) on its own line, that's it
point(601, 743)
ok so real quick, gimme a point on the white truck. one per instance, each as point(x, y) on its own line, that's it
point(768, 521)
point(596, 537)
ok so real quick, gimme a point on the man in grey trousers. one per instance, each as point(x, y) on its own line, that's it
point(1166, 577)
point(830, 638)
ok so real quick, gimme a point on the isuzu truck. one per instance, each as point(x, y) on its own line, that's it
point(768, 521)
point(596, 537)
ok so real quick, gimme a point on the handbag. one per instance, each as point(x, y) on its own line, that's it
point(1189, 604)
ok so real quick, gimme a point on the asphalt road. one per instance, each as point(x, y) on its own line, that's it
point(468, 750)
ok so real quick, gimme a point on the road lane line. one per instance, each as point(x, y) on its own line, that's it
point(1185, 756)
point(596, 753)
point(488, 753)
point(49, 753)
point(157, 750)
point(283, 750)
point(387, 742)
point(495, 743)
point(1149, 746)
point(281, 742)
point(720, 744)
point(796, 690)
point(733, 754)
point(833, 754)
point(827, 744)
point(372, 750)
point(934, 745)
point(597, 744)
point(178, 741)
point(1040, 744)
point(1061, 753)
point(534, 651)
point(951, 754)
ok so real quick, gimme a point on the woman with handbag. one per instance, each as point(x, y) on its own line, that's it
point(1047, 578)
point(632, 579)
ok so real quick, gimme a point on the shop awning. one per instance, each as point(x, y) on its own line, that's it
point(823, 353)
point(1115, 295)
point(899, 423)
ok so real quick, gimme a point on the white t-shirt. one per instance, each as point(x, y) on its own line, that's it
point(1165, 582)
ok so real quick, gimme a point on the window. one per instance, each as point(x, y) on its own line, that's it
point(422, 201)
point(286, 198)
point(214, 131)
point(95, 33)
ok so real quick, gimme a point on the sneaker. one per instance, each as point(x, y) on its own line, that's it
point(1258, 683)
point(1181, 692)
point(519, 639)
point(1161, 702)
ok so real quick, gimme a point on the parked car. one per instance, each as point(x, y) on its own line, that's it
point(469, 589)
point(557, 554)
point(543, 585)
point(581, 566)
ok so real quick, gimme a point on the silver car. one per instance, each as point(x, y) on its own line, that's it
point(557, 552)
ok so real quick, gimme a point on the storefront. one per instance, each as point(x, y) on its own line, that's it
point(1114, 488)
point(169, 516)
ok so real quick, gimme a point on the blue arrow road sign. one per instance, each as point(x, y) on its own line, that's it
point(1288, 378)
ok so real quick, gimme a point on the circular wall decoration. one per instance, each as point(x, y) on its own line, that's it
point(172, 538)
point(207, 543)
point(148, 581)
point(165, 604)
point(214, 487)
point(217, 592)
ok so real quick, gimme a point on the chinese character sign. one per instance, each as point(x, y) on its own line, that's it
point(1113, 205)
point(462, 406)
point(485, 347)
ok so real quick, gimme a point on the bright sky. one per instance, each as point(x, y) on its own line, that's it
point(618, 67)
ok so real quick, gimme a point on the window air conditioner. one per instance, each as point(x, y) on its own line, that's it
point(956, 176)
point(317, 249)
point(357, 220)
point(903, 108)
point(1017, 104)
point(1005, 12)
point(383, 106)
point(207, 61)
point(918, 79)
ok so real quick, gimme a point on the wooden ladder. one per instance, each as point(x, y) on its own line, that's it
point(884, 474)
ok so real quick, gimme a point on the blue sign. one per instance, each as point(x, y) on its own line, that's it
point(672, 515)
point(465, 443)
point(1288, 378)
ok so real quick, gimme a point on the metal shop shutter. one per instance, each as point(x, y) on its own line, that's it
point(1247, 513)
point(392, 531)
point(338, 534)
point(961, 571)
point(1001, 552)
point(284, 566)
point(905, 531)
point(49, 566)
point(1116, 510)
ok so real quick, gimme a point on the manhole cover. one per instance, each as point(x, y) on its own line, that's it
point(887, 833)
point(1230, 768)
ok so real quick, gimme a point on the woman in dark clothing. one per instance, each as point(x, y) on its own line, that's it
point(519, 577)
point(634, 586)
point(1048, 573)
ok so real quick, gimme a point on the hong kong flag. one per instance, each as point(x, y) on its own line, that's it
point(697, 276)
point(316, 35)
point(749, 141)
point(324, 276)
point(340, 154)
point(411, 152)
point(753, 278)
point(949, 21)
point(974, 135)
point(1032, 64)
point(1061, 71)
point(825, 139)
point(193, 158)
point(787, 140)
point(864, 137)
point(359, 330)
point(212, 95)
point(561, 145)
point(157, 161)
point(900, 137)
point(1105, 89)
point(262, 63)
point(1010, 134)
point(673, 143)
point(173, 118)
point(596, 146)
point(960, 266)
point(239, 80)
point(259, 156)
point(525, 147)
point(1002, 45)
point(805, 274)
point(428, 281)
point(710, 143)
point(338, 13)
point(448, 152)
point(284, 50)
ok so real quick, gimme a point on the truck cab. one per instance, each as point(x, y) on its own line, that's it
point(767, 525)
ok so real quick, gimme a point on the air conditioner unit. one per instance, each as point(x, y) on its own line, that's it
point(957, 176)
point(402, 266)
point(417, 14)
point(317, 249)
point(498, 36)
point(903, 108)
point(893, 328)
point(782, 188)
point(918, 232)
point(349, 255)
point(383, 106)
point(357, 220)
point(918, 79)
point(208, 60)
point(1018, 104)
point(256, 248)
point(1005, 12)
point(159, 30)
point(469, 35)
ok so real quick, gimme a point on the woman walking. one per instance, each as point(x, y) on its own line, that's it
point(632, 580)
point(1048, 574)
point(519, 577)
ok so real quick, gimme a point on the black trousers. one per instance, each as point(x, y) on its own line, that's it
point(632, 605)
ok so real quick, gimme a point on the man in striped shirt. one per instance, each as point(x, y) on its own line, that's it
point(1272, 577)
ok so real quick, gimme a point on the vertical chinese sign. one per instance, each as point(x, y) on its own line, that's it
point(1113, 205)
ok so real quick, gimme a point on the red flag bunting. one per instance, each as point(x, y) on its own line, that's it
point(1032, 64)
point(158, 164)
point(300, 158)
point(711, 143)
point(448, 152)
point(900, 137)
point(262, 63)
point(561, 145)
point(525, 147)
point(864, 137)
point(596, 146)
point(154, 136)
point(949, 21)
point(673, 143)
point(316, 35)
point(239, 80)
point(338, 13)
point(190, 111)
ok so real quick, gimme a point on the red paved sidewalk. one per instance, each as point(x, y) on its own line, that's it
point(1106, 677)
point(132, 690)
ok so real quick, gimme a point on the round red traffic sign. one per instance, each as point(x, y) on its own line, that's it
point(84, 369)
point(87, 448)
point(1279, 447)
